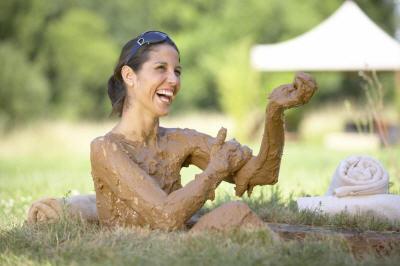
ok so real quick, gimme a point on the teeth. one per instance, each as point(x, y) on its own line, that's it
point(165, 92)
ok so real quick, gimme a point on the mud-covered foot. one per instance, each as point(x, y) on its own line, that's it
point(295, 94)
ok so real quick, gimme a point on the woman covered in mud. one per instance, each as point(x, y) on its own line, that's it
point(136, 166)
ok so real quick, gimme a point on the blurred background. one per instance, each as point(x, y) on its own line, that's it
point(56, 57)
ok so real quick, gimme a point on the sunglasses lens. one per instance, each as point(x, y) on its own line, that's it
point(149, 37)
point(154, 37)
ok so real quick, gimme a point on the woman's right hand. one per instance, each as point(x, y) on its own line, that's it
point(227, 157)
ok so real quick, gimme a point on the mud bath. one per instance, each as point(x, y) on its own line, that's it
point(136, 166)
point(140, 185)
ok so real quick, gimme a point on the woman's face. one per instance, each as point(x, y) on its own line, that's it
point(158, 81)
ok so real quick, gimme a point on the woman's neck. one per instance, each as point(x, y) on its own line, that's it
point(138, 125)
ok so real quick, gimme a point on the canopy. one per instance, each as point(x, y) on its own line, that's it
point(347, 40)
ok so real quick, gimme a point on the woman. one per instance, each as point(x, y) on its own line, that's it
point(136, 166)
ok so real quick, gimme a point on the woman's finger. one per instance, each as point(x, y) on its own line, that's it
point(219, 141)
point(221, 136)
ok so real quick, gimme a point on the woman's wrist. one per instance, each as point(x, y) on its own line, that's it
point(213, 173)
point(274, 107)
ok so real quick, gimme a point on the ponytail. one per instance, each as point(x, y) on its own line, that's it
point(117, 94)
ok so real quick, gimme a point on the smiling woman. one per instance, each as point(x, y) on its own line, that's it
point(156, 82)
point(136, 166)
point(135, 55)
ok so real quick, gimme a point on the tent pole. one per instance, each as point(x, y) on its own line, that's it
point(397, 90)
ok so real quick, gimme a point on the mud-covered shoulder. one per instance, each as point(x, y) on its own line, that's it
point(97, 150)
point(97, 144)
point(103, 146)
point(101, 142)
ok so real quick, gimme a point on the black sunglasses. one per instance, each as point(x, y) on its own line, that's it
point(148, 37)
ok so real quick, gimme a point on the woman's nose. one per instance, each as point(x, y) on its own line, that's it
point(172, 78)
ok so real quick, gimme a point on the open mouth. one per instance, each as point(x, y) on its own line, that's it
point(165, 95)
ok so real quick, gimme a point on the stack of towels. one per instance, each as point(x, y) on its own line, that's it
point(359, 185)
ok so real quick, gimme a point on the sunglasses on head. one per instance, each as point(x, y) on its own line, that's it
point(148, 37)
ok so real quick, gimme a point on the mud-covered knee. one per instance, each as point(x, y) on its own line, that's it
point(239, 206)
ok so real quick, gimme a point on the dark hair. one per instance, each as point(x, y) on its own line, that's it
point(116, 86)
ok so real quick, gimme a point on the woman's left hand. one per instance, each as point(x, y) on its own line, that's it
point(237, 154)
point(295, 94)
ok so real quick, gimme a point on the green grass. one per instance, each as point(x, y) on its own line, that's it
point(76, 243)
point(68, 243)
point(43, 162)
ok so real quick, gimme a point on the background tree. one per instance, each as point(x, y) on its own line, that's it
point(23, 88)
point(71, 47)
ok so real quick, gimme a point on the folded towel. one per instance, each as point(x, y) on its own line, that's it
point(382, 205)
point(45, 210)
point(83, 206)
point(359, 175)
point(52, 209)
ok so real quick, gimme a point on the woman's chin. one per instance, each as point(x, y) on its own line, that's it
point(162, 111)
point(164, 114)
point(161, 108)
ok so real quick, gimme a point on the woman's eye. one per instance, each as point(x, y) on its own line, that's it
point(161, 67)
point(178, 73)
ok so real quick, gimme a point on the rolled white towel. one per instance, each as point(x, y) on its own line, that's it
point(382, 205)
point(359, 175)
point(45, 210)
point(52, 209)
point(83, 206)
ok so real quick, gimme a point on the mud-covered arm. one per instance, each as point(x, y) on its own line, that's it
point(140, 192)
point(200, 147)
point(264, 168)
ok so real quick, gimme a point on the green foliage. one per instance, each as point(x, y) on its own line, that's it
point(79, 50)
point(76, 44)
point(238, 85)
point(23, 88)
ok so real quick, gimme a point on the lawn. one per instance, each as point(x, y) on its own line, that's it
point(51, 159)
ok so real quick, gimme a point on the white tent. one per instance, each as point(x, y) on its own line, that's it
point(347, 40)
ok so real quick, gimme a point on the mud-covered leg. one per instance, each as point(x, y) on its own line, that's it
point(232, 215)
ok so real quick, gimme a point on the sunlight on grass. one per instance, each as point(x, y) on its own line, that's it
point(52, 159)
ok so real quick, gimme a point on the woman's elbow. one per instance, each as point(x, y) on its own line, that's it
point(167, 221)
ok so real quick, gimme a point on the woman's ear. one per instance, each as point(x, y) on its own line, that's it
point(128, 75)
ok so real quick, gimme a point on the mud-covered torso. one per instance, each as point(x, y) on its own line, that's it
point(161, 162)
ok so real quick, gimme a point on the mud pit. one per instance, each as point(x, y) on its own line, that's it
point(138, 184)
